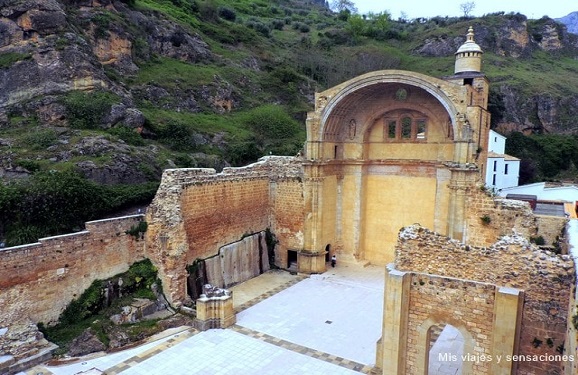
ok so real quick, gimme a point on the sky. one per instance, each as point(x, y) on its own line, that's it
point(532, 9)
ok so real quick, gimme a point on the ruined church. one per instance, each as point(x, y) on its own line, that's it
point(391, 174)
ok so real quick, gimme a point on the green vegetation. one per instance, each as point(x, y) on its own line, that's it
point(9, 58)
point(93, 309)
point(245, 94)
point(86, 109)
point(544, 157)
point(138, 230)
point(51, 203)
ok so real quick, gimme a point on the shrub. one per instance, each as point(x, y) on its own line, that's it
point(177, 135)
point(85, 110)
point(486, 219)
point(137, 231)
point(304, 28)
point(130, 136)
point(102, 23)
point(538, 240)
point(271, 122)
point(39, 139)
point(227, 14)
point(29, 165)
point(259, 27)
point(277, 24)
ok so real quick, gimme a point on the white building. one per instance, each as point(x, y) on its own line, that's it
point(564, 193)
point(502, 170)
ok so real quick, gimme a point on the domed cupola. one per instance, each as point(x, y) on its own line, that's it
point(469, 55)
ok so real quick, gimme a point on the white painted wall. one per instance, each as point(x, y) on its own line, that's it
point(500, 173)
point(496, 143)
point(539, 189)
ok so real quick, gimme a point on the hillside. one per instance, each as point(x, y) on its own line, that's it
point(117, 91)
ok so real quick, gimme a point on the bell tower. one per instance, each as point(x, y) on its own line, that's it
point(469, 56)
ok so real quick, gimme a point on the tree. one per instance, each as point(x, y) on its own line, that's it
point(343, 5)
point(467, 8)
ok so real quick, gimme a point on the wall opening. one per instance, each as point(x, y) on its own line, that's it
point(196, 278)
point(445, 350)
point(291, 258)
point(327, 253)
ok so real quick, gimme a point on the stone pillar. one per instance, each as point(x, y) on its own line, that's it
point(311, 259)
point(506, 329)
point(215, 312)
point(461, 181)
point(395, 315)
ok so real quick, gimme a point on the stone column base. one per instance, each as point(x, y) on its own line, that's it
point(215, 312)
point(309, 262)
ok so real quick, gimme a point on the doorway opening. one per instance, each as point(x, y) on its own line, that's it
point(327, 253)
point(445, 350)
point(292, 259)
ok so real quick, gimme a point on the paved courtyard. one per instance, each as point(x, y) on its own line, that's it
point(286, 324)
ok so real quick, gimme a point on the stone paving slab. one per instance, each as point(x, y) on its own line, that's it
point(330, 313)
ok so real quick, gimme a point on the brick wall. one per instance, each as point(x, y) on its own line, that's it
point(545, 278)
point(219, 212)
point(39, 280)
point(287, 221)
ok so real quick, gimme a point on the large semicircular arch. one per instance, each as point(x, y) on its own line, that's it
point(389, 76)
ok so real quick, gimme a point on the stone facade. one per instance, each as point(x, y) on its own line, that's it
point(392, 148)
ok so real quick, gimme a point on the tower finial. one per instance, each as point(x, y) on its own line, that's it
point(470, 35)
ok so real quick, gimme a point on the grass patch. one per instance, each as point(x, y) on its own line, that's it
point(9, 58)
point(170, 73)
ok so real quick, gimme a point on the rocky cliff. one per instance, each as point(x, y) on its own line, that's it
point(49, 49)
point(80, 79)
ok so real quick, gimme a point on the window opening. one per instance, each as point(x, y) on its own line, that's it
point(406, 128)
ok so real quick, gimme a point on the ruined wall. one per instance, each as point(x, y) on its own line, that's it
point(490, 218)
point(546, 280)
point(39, 280)
point(552, 228)
point(197, 211)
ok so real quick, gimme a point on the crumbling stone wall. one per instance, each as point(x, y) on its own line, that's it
point(552, 230)
point(197, 211)
point(545, 278)
point(39, 280)
point(489, 218)
point(287, 221)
